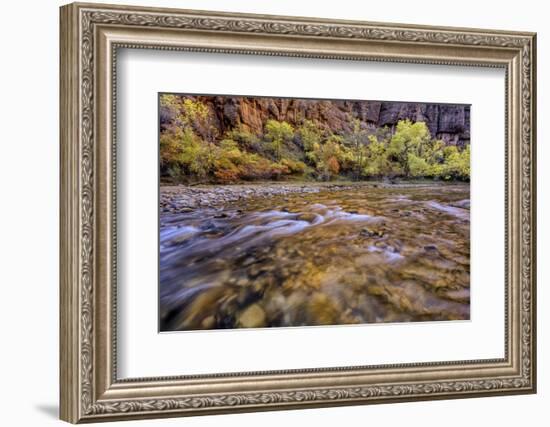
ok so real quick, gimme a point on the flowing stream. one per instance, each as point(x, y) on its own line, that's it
point(367, 254)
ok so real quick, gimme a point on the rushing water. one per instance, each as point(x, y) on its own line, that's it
point(361, 255)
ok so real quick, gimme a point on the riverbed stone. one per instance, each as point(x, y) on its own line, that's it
point(252, 317)
point(208, 322)
point(243, 281)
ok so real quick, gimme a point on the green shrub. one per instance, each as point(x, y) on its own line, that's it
point(278, 133)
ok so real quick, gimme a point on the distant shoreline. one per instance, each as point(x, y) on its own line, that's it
point(183, 198)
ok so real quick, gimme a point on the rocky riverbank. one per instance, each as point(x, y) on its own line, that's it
point(185, 198)
point(182, 198)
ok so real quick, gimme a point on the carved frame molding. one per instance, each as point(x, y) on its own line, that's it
point(90, 37)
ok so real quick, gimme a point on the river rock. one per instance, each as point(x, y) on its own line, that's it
point(252, 317)
point(309, 217)
point(365, 232)
point(208, 322)
point(464, 204)
point(243, 281)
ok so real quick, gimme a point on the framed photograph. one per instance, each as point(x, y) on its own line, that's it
point(267, 212)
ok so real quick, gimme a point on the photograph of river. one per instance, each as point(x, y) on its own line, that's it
point(285, 212)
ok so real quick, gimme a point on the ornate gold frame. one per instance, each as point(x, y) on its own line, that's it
point(90, 36)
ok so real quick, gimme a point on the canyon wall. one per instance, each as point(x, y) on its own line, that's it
point(449, 122)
